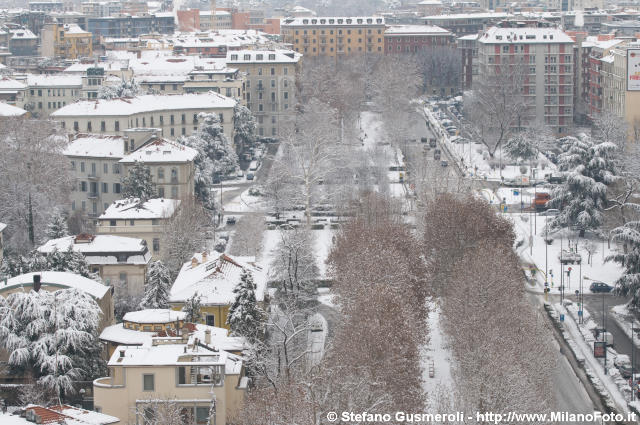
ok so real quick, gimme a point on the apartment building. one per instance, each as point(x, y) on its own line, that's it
point(619, 97)
point(335, 36)
point(544, 57)
point(206, 383)
point(171, 165)
point(131, 26)
point(12, 92)
point(131, 218)
point(46, 6)
point(214, 276)
point(23, 42)
point(597, 50)
point(468, 47)
point(465, 23)
point(211, 21)
point(48, 93)
point(270, 85)
point(120, 261)
point(67, 41)
point(407, 39)
point(175, 115)
point(227, 81)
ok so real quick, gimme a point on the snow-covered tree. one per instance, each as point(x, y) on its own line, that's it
point(245, 317)
point(216, 157)
point(582, 197)
point(34, 179)
point(192, 307)
point(52, 336)
point(156, 289)
point(294, 267)
point(57, 227)
point(62, 261)
point(521, 146)
point(139, 183)
point(244, 125)
point(125, 88)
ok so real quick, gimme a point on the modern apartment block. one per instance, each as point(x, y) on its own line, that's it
point(544, 57)
point(335, 36)
point(131, 26)
point(270, 86)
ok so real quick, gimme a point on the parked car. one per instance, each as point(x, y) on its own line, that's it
point(444, 163)
point(432, 142)
point(600, 287)
point(550, 212)
point(250, 176)
point(240, 173)
point(565, 257)
point(436, 154)
point(231, 220)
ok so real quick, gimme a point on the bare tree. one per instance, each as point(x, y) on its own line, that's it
point(441, 69)
point(294, 267)
point(164, 411)
point(34, 179)
point(247, 239)
point(184, 234)
point(497, 107)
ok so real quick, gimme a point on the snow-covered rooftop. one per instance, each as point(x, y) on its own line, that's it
point(172, 354)
point(161, 150)
point(96, 146)
point(154, 315)
point(526, 35)
point(215, 279)
point(252, 56)
point(60, 279)
point(126, 209)
point(145, 103)
point(592, 41)
point(469, 37)
point(457, 16)
point(59, 414)
point(102, 249)
point(7, 110)
point(75, 29)
point(415, 30)
point(22, 34)
point(9, 84)
point(54, 80)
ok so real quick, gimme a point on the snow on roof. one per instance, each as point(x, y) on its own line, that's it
point(469, 37)
point(592, 41)
point(165, 355)
point(430, 3)
point(145, 103)
point(219, 336)
point(415, 29)
point(161, 150)
point(252, 56)
point(132, 209)
point(526, 35)
point(61, 279)
point(54, 80)
point(7, 110)
point(22, 33)
point(154, 315)
point(11, 84)
point(96, 244)
point(334, 20)
point(85, 416)
point(75, 29)
point(608, 59)
point(455, 16)
point(96, 146)
point(215, 279)
point(218, 13)
point(161, 78)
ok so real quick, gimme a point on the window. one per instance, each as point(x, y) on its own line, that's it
point(73, 165)
point(132, 222)
point(112, 223)
point(161, 192)
point(105, 187)
point(105, 168)
point(123, 278)
point(171, 120)
point(83, 186)
point(88, 125)
point(116, 168)
point(174, 192)
point(156, 244)
point(174, 175)
point(183, 119)
point(202, 415)
point(103, 126)
point(160, 173)
point(148, 383)
point(182, 375)
point(211, 320)
point(116, 188)
point(195, 118)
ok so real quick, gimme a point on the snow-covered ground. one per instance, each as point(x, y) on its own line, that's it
point(541, 253)
point(436, 356)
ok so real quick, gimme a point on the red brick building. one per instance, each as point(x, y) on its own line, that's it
point(412, 38)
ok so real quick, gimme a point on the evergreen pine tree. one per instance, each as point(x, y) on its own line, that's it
point(245, 316)
point(139, 183)
point(57, 227)
point(156, 290)
point(192, 308)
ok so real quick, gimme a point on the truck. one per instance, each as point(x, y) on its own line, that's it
point(540, 201)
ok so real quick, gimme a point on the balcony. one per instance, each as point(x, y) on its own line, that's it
point(106, 382)
point(92, 195)
point(93, 176)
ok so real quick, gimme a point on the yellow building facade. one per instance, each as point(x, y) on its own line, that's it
point(67, 41)
point(335, 36)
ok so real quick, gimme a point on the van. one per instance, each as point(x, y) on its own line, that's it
point(253, 166)
point(540, 201)
point(607, 337)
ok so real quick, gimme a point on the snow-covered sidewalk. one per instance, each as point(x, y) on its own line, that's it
point(436, 355)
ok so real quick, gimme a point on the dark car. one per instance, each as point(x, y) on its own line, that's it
point(250, 176)
point(600, 287)
point(231, 220)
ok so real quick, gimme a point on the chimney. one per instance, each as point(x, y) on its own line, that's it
point(36, 282)
point(204, 256)
point(207, 337)
point(121, 354)
point(194, 262)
